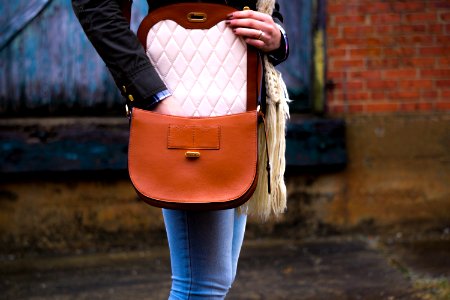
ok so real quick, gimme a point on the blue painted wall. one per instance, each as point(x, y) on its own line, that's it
point(49, 67)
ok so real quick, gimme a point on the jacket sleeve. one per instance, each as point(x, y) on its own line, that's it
point(110, 34)
point(282, 53)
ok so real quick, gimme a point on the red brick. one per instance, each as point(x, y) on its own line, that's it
point(400, 74)
point(443, 84)
point(409, 6)
point(439, 4)
point(345, 108)
point(422, 61)
point(404, 29)
point(421, 17)
point(415, 84)
point(376, 7)
point(349, 19)
point(350, 85)
point(355, 31)
point(435, 28)
point(443, 61)
point(382, 84)
point(443, 40)
point(354, 85)
point(336, 52)
point(447, 28)
point(383, 63)
point(435, 73)
point(353, 108)
point(382, 107)
point(357, 42)
point(445, 94)
point(444, 105)
point(335, 75)
point(434, 51)
point(378, 95)
point(334, 9)
point(400, 51)
point(404, 95)
point(357, 96)
point(365, 52)
point(408, 107)
point(383, 30)
point(424, 106)
point(385, 19)
point(370, 74)
point(347, 64)
point(423, 40)
point(430, 94)
point(418, 106)
point(445, 16)
point(333, 32)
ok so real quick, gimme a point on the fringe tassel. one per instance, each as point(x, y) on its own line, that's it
point(263, 204)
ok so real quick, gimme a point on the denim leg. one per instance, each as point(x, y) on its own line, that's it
point(204, 249)
point(240, 220)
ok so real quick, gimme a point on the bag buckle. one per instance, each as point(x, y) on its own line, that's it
point(192, 154)
point(197, 17)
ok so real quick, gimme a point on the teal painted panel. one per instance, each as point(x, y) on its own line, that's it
point(50, 68)
point(314, 143)
point(297, 72)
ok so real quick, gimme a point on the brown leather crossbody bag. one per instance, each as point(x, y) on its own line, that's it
point(206, 159)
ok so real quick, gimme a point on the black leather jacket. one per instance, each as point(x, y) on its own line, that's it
point(110, 34)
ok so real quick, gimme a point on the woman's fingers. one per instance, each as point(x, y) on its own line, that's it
point(258, 29)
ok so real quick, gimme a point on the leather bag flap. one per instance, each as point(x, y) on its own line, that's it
point(193, 160)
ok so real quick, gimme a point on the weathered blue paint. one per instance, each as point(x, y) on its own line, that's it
point(50, 67)
point(22, 14)
point(298, 22)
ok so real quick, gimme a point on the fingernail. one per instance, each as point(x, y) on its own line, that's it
point(229, 16)
point(227, 22)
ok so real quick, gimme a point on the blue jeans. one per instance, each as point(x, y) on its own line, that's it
point(204, 251)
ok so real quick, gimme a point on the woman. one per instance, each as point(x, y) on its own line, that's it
point(204, 246)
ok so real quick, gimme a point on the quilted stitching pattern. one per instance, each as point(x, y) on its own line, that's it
point(206, 70)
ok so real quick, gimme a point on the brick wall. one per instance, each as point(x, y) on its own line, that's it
point(388, 55)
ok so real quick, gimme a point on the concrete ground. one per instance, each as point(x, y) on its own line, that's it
point(331, 268)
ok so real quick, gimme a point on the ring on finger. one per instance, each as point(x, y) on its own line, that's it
point(261, 34)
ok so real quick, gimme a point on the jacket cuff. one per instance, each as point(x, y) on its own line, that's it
point(281, 54)
point(141, 86)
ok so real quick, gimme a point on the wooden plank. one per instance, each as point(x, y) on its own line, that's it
point(316, 143)
point(76, 144)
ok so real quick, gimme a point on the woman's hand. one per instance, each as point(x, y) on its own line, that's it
point(168, 106)
point(257, 29)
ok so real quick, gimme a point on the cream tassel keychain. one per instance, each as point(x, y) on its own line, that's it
point(262, 203)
